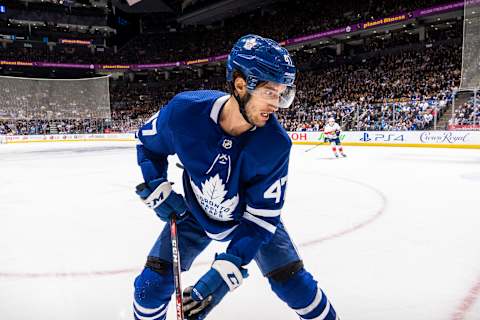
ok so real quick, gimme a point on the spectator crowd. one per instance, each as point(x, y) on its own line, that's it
point(389, 82)
point(402, 90)
point(168, 43)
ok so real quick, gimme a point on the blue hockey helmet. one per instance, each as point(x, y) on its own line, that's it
point(262, 60)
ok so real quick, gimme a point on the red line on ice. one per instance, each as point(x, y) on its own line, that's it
point(467, 302)
point(358, 226)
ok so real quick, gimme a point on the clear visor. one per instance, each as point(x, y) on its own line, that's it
point(279, 95)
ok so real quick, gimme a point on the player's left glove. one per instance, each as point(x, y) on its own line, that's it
point(226, 274)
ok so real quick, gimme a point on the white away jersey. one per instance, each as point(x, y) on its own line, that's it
point(331, 131)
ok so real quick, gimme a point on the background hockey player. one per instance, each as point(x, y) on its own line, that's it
point(235, 155)
point(332, 136)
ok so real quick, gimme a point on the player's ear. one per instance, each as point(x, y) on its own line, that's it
point(240, 86)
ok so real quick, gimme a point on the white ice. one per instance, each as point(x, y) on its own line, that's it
point(389, 233)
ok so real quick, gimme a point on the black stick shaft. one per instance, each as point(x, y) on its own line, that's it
point(176, 268)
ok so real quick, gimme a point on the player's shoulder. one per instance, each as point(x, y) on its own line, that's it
point(275, 134)
point(191, 104)
point(199, 98)
point(282, 134)
point(271, 142)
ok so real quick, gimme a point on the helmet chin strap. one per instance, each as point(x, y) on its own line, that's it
point(242, 103)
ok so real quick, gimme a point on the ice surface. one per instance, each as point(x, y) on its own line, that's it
point(389, 233)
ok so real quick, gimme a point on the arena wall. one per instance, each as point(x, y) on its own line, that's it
point(427, 139)
point(67, 138)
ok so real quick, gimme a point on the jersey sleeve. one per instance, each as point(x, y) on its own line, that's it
point(264, 201)
point(155, 144)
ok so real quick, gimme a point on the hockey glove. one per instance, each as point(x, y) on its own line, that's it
point(159, 196)
point(226, 274)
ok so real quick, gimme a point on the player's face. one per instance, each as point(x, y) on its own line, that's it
point(264, 102)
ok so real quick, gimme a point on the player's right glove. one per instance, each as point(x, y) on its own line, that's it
point(226, 274)
point(159, 196)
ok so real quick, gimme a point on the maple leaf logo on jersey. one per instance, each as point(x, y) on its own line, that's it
point(212, 199)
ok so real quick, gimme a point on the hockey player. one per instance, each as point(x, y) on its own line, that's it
point(235, 155)
point(332, 136)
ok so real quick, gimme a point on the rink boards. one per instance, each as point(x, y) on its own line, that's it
point(67, 138)
point(427, 139)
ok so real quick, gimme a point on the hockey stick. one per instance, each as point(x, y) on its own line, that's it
point(310, 149)
point(176, 268)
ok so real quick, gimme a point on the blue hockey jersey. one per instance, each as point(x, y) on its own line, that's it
point(234, 185)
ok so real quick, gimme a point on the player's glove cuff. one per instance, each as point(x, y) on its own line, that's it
point(229, 268)
point(225, 275)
